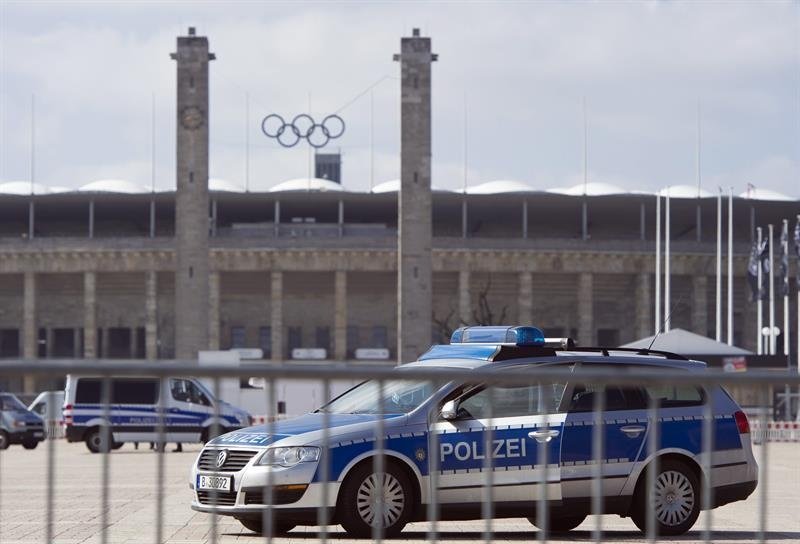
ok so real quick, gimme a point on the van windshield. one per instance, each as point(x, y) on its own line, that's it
point(11, 403)
point(397, 397)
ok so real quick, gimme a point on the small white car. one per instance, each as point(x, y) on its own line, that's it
point(529, 422)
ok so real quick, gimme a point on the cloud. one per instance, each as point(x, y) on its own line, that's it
point(522, 69)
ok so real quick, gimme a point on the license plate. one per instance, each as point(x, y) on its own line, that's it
point(37, 435)
point(213, 482)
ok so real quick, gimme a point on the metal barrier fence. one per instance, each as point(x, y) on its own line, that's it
point(545, 470)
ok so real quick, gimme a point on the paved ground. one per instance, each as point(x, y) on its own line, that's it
point(131, 514)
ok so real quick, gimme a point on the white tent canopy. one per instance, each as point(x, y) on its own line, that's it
point(684, 342)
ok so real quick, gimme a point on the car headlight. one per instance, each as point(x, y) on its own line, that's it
point(289, 456)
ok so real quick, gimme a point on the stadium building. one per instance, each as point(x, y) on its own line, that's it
point(113, 270)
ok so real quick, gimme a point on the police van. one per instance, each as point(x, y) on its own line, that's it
point(539, 445)
point(133, 410)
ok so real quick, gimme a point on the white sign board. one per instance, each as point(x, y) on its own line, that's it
point(372, 353)
point(309, 353)
point(249, 353)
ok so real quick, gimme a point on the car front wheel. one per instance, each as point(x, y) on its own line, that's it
point(675, 499)
point(369, 499)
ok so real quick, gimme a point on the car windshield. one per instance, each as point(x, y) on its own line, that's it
point(11, 403)
point(399, 397)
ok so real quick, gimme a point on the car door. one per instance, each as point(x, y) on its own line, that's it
point(624, 427)
point(188, 410)
point(524, 423)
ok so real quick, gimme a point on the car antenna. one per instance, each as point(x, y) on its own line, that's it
point(661, 326)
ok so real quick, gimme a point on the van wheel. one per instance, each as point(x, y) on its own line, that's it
point(94, 441)
point(257, 526)
point(559, 523)
point(358, 501)
point(4, 442)
point(676, 499)
point(30, 445)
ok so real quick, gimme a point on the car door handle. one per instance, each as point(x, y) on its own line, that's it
point(633, 431)
point(545, 435)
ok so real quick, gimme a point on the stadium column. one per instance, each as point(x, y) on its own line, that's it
point(586, 309)
point(276, 306)
point(414, 277)
point(340, 316)
point(29, 332)
point(526, 298)
point(700, 304)
point(213, 311)
point(89, 315)
point(464, 303)
point(151, 315)
point(191, 200)
point(644, 313)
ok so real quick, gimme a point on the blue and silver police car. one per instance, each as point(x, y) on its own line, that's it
point(539, 445)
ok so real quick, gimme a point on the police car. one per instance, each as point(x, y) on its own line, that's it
point(539, 446)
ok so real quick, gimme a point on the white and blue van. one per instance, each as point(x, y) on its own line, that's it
point(541, 436)
point(133, 410)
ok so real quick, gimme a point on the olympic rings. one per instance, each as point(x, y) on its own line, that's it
point(302, 127)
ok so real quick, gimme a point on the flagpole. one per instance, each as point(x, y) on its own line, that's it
point(771, 294)
point(667, 273)
point(719, 267)
point(730, 267)
point(759, 301)
point(658, 264)
point(785, 237)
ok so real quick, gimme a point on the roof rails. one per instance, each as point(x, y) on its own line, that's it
point(636, 351)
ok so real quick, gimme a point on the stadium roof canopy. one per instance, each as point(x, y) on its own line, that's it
point(685, 191)
point(223, 185)
point(307, 184)
point(499, 186)
point(393, 185)
point(24, 188)
point(764, 194)
point(687, 343)
point(112, 186)
point(590, 189)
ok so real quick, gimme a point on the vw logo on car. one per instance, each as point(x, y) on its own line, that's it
point(221, 457)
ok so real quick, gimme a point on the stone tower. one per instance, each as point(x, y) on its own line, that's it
point(191, 201)
point(414, 269)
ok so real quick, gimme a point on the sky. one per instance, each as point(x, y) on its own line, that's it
point(509, 90)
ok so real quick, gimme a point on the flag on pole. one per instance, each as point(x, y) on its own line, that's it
point(765, 267)
point(752, 271)
point(797, 249)
point(783, 267)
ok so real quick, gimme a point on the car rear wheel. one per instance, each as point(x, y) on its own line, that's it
point(4, 442)
point(365, 491)
point(30, 444)
point(558, 522)
point(257, 526)
point(675, 499)
point(94, 441)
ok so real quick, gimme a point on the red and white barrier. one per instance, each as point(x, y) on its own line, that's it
point(775, 431)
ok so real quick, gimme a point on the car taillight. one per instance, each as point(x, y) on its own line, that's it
point(741, 422)
point(67, 411)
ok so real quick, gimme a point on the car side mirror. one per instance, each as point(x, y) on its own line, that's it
point(450, 410)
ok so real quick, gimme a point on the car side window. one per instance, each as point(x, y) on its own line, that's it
point(671, 396)
point(512, 401)
point(616, 398)
point(187, 391)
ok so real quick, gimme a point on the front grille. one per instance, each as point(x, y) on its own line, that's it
point(222, 498)
point(235, 461)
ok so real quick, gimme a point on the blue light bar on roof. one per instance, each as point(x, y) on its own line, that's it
point(520, 336)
